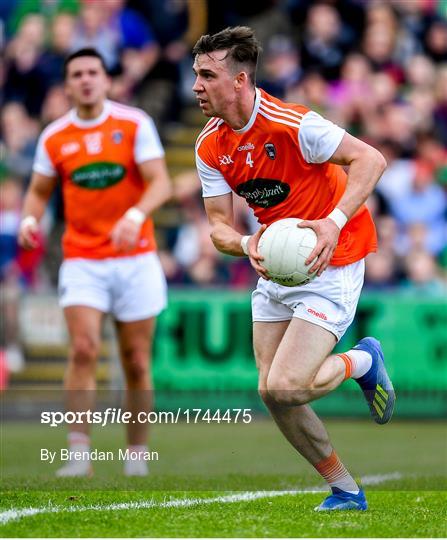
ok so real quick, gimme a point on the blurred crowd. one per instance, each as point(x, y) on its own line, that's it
point(377, 68)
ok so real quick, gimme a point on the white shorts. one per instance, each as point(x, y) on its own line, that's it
point(329, 301)
point(130, 288)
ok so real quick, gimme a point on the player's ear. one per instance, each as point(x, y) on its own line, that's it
point(240, 80)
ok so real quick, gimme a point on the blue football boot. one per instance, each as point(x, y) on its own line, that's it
point(343, 500)
point(376, 384)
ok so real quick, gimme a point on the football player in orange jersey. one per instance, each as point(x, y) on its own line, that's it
point(111, 166)
point(285, 160)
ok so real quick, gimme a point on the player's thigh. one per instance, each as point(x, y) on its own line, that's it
point(84, 325)
point(270, 321)
point(300, 354)
point(266, 339)
point(139, 288)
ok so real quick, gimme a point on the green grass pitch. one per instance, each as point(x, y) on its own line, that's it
point(227, 481)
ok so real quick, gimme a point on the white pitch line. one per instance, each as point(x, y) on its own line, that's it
point(16, 514)
point(10, 515)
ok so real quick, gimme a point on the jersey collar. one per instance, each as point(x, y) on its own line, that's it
point(253, 114)
point(93, 122)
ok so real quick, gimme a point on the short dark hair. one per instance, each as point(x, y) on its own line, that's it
point(241, 43)
point(87, 51)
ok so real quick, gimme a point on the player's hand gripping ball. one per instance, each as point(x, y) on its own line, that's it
point(285, 248)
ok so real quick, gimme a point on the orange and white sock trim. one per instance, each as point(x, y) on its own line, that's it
point(357, 363)
point(336, 474)
point(349, 365)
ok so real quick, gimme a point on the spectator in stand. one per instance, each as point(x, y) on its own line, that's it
point(420, 72)
point(399, 125)
point(397, 179)
point(387, 232)
point(381, 40)
point(19, 139)
point(56, 104)
point(325, 41)
point(431, 151)
point(312, 90)
point(415, 18)
point(26, 81)
point(62, 37)
point(440, 112)
point(281, 66)
point(45, 8)
point(123, 38)
point(422, 102)
point(352, 96)
point(425, 203)
point(176, 26)
point(435, 43)
point(422, 275)
point(380, 271)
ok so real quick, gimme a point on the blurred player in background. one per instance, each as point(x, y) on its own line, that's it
point(285, 160)
point(111, 164)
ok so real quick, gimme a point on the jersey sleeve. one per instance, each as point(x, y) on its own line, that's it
point(42, 162)
point(147, 142)
point(212, 180)
point(318, 138)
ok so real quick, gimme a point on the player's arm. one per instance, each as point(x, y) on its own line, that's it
point(126, 232)
point(225, 238)
point(159, 188)
point(34, 205)
point(321, 141)
point(366, 166)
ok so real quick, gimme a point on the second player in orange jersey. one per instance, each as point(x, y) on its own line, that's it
point(110, 163)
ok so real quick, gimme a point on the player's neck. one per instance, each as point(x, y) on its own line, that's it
point(90, 112)
point(240, 115)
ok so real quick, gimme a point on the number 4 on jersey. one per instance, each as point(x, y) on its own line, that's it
point(249, 161)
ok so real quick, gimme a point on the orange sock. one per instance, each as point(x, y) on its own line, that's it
point(336, 474)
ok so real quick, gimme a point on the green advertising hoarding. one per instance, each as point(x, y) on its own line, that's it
point(203, 349)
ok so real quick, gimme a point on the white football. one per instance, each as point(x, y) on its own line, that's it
point(285, 248)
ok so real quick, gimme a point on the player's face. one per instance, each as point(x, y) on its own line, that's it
point(215, 83)
point(86, 82)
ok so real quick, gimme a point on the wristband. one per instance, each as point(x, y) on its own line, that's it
point(244, 243)
point(338, 217)
point(136, 215)
point(28, 221)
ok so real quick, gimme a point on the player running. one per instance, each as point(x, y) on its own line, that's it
point(110, 162)
point(285, 160)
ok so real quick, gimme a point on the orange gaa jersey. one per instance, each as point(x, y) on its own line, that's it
point(96, 161)
point(279, 163)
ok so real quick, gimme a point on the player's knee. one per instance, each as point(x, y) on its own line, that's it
point(288, 392)
point(136, 364)
point(85, 350)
